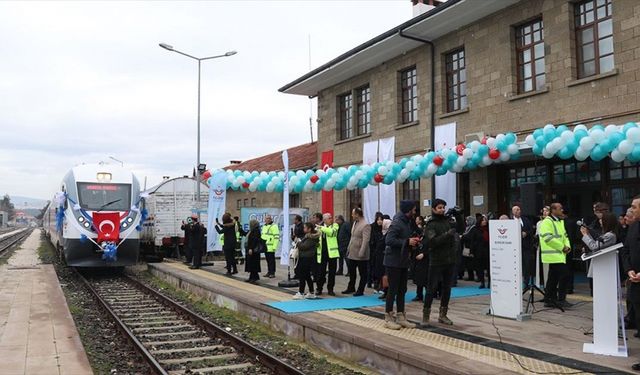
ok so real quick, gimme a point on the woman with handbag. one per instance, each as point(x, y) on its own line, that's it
point(254, 247)
point(307, 253)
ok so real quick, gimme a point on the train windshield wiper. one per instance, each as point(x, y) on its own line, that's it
point(108, 204)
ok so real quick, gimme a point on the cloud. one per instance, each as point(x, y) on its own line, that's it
point(86, 80)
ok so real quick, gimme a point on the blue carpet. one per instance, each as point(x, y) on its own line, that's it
point(369, 300)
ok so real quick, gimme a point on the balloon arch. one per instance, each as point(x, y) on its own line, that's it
point(619, 142)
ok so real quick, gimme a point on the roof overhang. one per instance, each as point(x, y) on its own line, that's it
point(440, 21)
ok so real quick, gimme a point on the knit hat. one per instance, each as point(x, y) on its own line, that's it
point(406, 206)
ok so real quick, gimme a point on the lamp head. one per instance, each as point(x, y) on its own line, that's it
point(166, 46)
point(230, 53)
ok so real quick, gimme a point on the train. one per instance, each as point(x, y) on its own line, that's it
point(93, 221)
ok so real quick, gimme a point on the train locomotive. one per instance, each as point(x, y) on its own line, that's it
point(94, 220)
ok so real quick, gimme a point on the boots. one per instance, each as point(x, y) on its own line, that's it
point(426, 315)
point(389, 322)
point(443, 316)
point(402, 320)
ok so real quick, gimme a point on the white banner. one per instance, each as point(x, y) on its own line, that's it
point(505, 256)
point(445, 137)
point(217, 197)
point(285, 238)
point(382, 197)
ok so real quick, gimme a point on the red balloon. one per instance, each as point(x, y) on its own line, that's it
point(245, 185)
point(378, 178)
point(494, 154)
point(314, 178)
point(484, 140)
point(206, 175)
point(460, 148)
point(438, 160)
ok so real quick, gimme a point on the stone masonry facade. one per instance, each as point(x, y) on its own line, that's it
point(494, 105)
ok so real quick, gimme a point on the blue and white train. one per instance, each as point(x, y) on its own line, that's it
point(88, 191)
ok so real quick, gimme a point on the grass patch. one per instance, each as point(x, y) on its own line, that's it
point(46, 252)
point(300, 355)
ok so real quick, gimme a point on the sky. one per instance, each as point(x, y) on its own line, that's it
point(81, 82)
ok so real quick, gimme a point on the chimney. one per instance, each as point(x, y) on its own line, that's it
point(235, 162)
point(423, 6)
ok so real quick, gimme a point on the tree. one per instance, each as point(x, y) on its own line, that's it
point(6, 205)
point(42, 211)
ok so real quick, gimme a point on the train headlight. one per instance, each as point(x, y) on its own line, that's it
point(103, 176)
point(129, 220)
point(87, 225)
point(81, 219)
point(124, 225)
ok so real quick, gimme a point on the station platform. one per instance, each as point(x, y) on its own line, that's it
point(549, 343)
point(37, 332)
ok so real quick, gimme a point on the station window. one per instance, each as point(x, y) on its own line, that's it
point(294, 200)
point(246, 202)
point(624, 170)
point(530, 52)
point(354, 199)
point(519, 176)
point(253, 202)
point(621, 197)
point(409, 90)
point(363, 108)
point(411, 190)
point(576, 172)
point(345, 115)
point(594, 37)
point(239, 204)
point(456, 80)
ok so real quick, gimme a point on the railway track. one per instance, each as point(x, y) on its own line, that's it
point(175, 340)
point(9, 238)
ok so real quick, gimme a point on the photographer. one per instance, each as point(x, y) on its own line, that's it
point(442, 252)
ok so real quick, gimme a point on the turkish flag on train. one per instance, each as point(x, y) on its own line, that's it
point(107, 224)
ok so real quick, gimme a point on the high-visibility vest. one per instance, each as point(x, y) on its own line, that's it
point(553, 240)
point(331, 233)
point(271, 236)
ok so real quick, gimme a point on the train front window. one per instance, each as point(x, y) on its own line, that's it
point(104, 197)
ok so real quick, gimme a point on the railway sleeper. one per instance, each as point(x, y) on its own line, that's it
point(165, 328)
point(188, 350)
point(136, 324)
point(141, 315)
point(150, 318)
point(209, 358)
point(172, 343)
point(213, 370)
point(183, 333)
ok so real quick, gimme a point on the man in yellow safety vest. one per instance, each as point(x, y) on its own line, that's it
point(554, 246)
point(327, 254)
point(271, 236)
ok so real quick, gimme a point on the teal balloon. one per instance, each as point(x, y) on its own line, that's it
point(560, 129)
point(572, 146)
point(581, 133)
point(339, 186)
point(565, 153)
point(511, 138)
point(598, 153)
point(483, 151)
point(502, 146)
point(403, 162)
point(607, 145)
point(237, 173)
point(550, 136)
point(597, 126)
point(538, 133)
point(452, 157)
point(616, 138)
point(363, 184)
point(441, 171)
point(635, 154)
point(472, 164)
point(255, 174)
point(396, 168)
point(627, 126)
point(388, 179)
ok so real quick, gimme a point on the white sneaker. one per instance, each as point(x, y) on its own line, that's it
point(298, 296)
point(310, 296)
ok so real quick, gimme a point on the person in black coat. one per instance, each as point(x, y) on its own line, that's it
point(344, 236)
point(376, 251)
point(196, 240)
point(228, 229)
point(528, 250)
point(253, 248)
point(480, 248)
point(631, 257)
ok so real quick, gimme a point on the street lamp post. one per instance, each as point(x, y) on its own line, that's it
point(199, 60)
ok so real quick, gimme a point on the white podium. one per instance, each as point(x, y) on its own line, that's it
point(606, 303)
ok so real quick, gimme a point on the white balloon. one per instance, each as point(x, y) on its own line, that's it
point(270, 188)
point(547, 154)
point(410, 166)
point(335, 176)
point(633, 135)
point(351, 186)
point(308, 186)
point(499, 137)
point(418, 158)
point(551, 148)
point(513, 149)
point(461, 162)
point(252, 188)
point(486, 160)
point(587, 143)
point(246, 174)
point(404, 174)
point(358, 174)
point(383, 170)
point(491, 142)
point(300, 174)
point(366, 168)
point(617, 156)
point(581, 153)
point(581, 157)
point(467, 153)
point(610, 129)
point(241, 180)
point(504, 156)
point(264, 174)
point(457, 168)
point(625, 147)
point(597, 135)
point(567, 136)
point(329, 185)
point(231, 178)
point(549, 127)
point(320, 172)
point(432, 168)
point(236, 184)
point(530, 140)
point(475, 145)
point(579, 127)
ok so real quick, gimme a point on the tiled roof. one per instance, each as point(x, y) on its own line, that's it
point(300, 157)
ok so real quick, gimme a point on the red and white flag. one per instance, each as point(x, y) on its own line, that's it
point(107, 224)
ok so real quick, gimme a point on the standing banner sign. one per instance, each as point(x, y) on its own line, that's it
point(446, 186)
point(379, 197)
point(505, 257)
point(285, 239)
point(217, 198)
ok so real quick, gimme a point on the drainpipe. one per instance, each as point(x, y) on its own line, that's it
point(432, 130)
